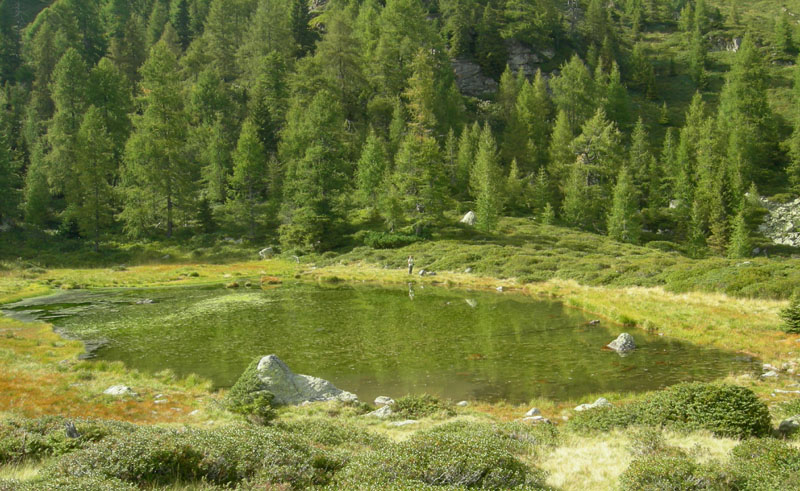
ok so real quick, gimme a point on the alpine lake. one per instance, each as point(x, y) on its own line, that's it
point(373, 341)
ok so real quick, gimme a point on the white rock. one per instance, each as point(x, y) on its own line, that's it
point(602, 402)
point(404, 423)
point(533, 412)
point(770, 374)
point(195, 412)
point(469, 218)
point(160, 401)
point(119, 391)
point(384, 401)
point(381, 413)
point(500, 288)
point(536, 420)
point(462, 404)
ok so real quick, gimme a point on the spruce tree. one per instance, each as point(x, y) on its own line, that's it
point(157, 176)
point(617, 100)
point(467, 148)
point(639, 156)
point(248, 176)
point(740, 245)
point(486, 180)
point(541, 193)
point(624, 221)
point(96, 169)
point(9, 182)
point(561, 155)
point(181, 22)
point(573, 93)
point(370, 170)
point(299, 20)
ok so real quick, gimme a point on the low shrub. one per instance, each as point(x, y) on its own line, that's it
point(225, 456)
point(34, 439)
point(387, 240)
point(456, 454)
point(86, 483)
point(249, 398)
point(673, 471)
point(725, 410)
point(420, 406)
point(764, 464)
point(333, 433)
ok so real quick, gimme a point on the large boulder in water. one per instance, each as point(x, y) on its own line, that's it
point(623, 344)
point(288, 388)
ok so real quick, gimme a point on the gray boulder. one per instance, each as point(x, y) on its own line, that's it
point(289, 388)
point(469, 218)
point(120, 391)
point(602, 402)
point(623, 344)
point(381, 413)
point(790, 425)
point(384, 401)
point(533, 412)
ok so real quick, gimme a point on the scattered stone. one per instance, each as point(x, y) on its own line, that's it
point(623, 344)
point(533, 412)
point(166, 257)
point(595, 322)
point(381, 413)
point(462, 404)
point(289, 388)
point(602, 402)
point(266, 252)
point(469, 218)
point(422, 272)
point(500, 288)
point(781, 391)
point(158, 396)
point(384, 401)
point(145, 301)
point(790, 425)
point(195, 412)
point(468, 270)
point(471, 302)
point(404, 423)
point(120, 391)
point(536, 420)
point(160, 401)
point(770, 374)
point(71, 431)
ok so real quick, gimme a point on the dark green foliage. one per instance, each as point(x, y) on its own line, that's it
point(764, 464)
point(725, 410)
point(457, 454)
point(248, 396)
point(415, 407)
point(389, 240)
point(791, 314)
point(674, 471)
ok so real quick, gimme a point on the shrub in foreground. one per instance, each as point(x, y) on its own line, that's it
point(420, 406)
point(457, 454)
point(248, 397)
point(672, 471)
point(765, 464)
point(791, 314)
point(726, 410)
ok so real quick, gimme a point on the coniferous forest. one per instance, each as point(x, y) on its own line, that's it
point(297, 122)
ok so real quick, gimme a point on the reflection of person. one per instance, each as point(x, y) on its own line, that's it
point(411, 291)
point(410, 264)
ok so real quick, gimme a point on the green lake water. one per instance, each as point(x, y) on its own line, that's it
point(377, 341)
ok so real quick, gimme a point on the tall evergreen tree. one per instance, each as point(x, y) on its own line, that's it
point(573, 93)
point(740, 245)
point(181, 22)
point(486, 180)
point(624, 222)
point(370, 169)
point(157, 176)
point(95, 170)
point(299, 20)
point(247, 179)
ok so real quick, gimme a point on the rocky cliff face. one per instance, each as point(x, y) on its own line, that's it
point(472, 81)
point(782, 224)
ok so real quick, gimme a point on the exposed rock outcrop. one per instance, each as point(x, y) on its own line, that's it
point(623, 344)
point(782, 223)
point(469, 218)
point(471, 80)
point(289, 388)
point(602, 402)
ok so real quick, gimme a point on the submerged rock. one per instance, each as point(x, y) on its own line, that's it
point(120, 391)
point(601, 402)
point(289, 388)
point(623, 344)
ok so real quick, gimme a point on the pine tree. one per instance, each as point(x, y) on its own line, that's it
point(596, 22)
point(486, 179)
point(643, 74)
point(573, 93)
point(467, 148)
point(418, 181)
point(370, 169)
point(624, 221)
point(783, 43)
point(157, 176)
point(639, 156)
point(515, 189)
point(96, 169)
point(740, 245)
point(696, 235)
point(299, 20)
point(215, 156)
point(9, 182)
point(697, 59)
point(268, 31)
point(541, 193)
point(159, 17)
point(490, 48)
point(108, 91)
point(561, 155)
point(10, 45)
point(247, 179)
point(181, 22)
point(617, 101)
point(36, 194)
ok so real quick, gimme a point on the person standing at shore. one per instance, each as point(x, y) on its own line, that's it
point(410, 264)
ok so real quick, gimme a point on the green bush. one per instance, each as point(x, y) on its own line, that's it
point(673, 471)
point(791, 314)
point(420, 406)
point(725, 410)
point(387, 240)
point(764, 464)
point(456, 454)
point(224, 456)
point(248, 396)
point(333, 433)
point(34, 439)
point(87, 483)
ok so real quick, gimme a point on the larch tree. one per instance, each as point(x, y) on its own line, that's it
point(248, 176)
point(487, 181)
point(573, 93)
point(370, 170)
point(95, 170)
point(624, 220)
point(157, 176)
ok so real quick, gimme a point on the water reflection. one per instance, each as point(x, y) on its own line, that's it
point(374, 341)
